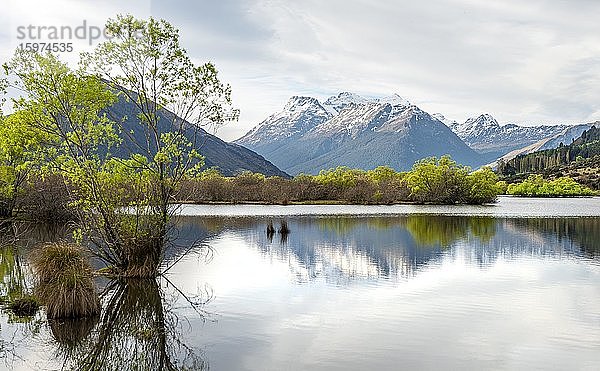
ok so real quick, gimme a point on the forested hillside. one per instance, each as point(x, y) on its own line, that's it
point(579, 160)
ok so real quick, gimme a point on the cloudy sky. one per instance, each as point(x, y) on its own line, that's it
point(528, 62)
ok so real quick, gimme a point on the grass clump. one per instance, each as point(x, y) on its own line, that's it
point(65, 281)
point(25, 306)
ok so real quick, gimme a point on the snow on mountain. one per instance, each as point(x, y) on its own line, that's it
point(565, 137)
point(352, 120)
point(394, 100)
point(452, 124)
point(484, 134)
point(347, 129)
point(338, 102)
point(351, 130)
point(476, 126)
point(299, 115)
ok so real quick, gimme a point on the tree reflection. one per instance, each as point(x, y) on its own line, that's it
point(137, 330)
point(585, 232)
point(444, 231)
point(12, 274)
point(15, 282)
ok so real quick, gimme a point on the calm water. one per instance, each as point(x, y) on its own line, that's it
point(398, 290)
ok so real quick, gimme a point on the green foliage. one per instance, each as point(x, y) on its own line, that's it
point(67, 107)
point(122, 201)
point(502, 187)
point(438, 180)
point(483, 186)
point(342, 177)
point(444, 181)
point(384, 174)
point(21, 152)
point(145, 63)
point(431, 180)
point(537, 186)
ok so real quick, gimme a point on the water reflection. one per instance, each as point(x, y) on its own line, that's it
point(346, 248)
point(13, 283)
point(137, 329)
point(417, 291)
point(142, 324)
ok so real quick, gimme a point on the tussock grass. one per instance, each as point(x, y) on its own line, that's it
point(65, 281)
point(25, 306)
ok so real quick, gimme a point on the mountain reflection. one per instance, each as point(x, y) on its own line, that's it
point(139, 327)
point(341, 249)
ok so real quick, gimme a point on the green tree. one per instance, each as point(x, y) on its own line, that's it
point(383, 174)
point(483, 186)
point(21, 153)
point(537, 186)
point(144, 63)
point(340, 177)
point(66, 106)
point(438, 181)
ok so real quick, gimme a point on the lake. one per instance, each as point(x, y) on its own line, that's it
point(349, 288)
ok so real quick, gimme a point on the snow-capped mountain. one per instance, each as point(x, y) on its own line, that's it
point(452, 124)
point(485, 135)
point(338, 102)
point(567, 136)
point(354, 131)
point(299, 115)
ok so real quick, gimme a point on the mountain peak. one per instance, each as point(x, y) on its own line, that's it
point(450, 123)
point(347, 129)
point(484, 119)
point(300, 102)
point(299, 115)
point(395, 100)
point(338, 102)
point(350, 96)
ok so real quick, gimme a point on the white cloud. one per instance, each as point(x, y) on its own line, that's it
point(526, 62)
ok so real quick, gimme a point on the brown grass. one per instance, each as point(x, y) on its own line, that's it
point(65, 281)
point(25, 306)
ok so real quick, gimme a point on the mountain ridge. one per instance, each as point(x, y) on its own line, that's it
point(484, 134)
point(347, 129)
point(229, 158)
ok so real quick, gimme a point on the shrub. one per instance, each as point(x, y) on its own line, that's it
point(537, 186)
point(47, 198)
point(431, 180)
point(483, 186)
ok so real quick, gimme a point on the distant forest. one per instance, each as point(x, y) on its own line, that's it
point(585, 147)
